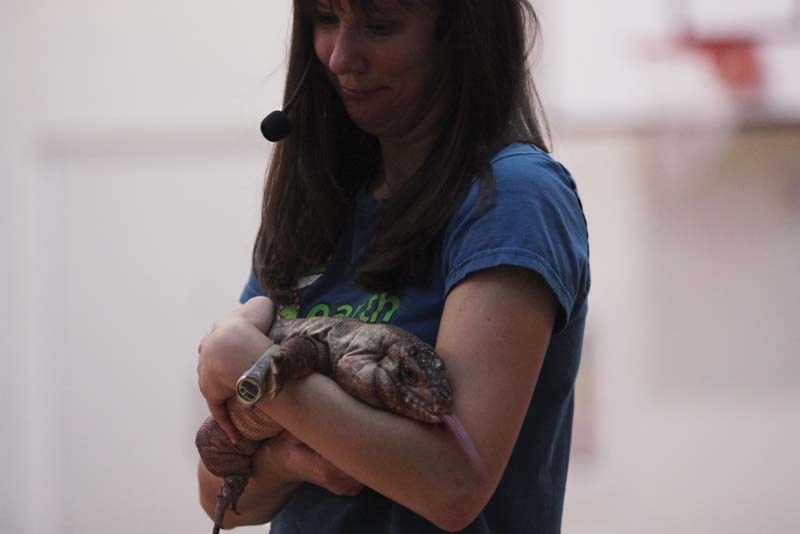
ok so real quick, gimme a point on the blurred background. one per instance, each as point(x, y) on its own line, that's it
point(130, 174)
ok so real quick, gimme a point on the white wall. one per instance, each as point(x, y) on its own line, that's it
point(130, 171)
point(692, 342)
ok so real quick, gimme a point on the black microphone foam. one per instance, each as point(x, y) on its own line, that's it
point(276, 126)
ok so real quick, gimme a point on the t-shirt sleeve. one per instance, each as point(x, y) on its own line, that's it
point(534, 220)
point(251, 289)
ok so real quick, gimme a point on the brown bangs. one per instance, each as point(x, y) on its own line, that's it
point(309, 8)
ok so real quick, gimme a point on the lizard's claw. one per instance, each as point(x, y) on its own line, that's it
point(229, 493)
point(276, 377)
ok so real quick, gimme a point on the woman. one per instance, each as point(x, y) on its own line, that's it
point(415, 190)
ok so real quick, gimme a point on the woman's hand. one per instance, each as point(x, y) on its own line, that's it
point(232, 346)
point(287, 458)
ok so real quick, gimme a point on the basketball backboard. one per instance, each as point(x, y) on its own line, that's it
point(619, 63)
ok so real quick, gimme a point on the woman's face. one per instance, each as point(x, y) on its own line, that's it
point(386, 65)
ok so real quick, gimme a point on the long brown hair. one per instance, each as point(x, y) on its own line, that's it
point(315, 172)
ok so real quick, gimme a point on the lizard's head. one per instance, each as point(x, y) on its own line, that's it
point(411, 380)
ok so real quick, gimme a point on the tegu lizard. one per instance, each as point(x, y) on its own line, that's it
point(381, 365)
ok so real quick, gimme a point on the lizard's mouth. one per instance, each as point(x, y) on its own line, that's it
point(419, 404)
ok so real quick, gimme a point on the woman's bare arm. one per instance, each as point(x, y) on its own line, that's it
point(493, 335)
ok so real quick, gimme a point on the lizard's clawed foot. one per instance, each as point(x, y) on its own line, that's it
point(275, 374)
point(298, 357)
point(229, 493)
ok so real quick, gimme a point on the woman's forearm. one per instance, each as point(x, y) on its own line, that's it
point(415, 464)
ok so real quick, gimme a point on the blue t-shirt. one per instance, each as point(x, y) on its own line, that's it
point(535, 221)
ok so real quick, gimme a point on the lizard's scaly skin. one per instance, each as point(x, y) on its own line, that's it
point(384, 366)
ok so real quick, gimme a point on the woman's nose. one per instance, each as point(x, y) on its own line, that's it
point(348, 55)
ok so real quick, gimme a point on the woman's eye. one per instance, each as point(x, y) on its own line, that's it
point(326, 19)
point(381, 28)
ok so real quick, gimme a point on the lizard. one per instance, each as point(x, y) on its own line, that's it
point(382, 365)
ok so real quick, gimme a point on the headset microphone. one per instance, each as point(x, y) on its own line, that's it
point(277, 125)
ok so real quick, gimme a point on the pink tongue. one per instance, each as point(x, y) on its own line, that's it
point(455, 426)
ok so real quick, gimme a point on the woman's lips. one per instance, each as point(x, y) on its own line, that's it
point(358, 94)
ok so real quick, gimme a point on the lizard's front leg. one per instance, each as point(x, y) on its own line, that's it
point(298, 357)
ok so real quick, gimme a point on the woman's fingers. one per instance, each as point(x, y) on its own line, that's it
point(214, 365)
point(289, 458)
point(323, 473)
point(220, 414)
point(216, 397)
point(230, 347)
point(317, 470)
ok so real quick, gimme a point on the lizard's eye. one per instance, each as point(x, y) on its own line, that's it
point(407, 373)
